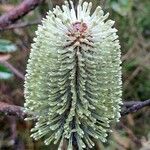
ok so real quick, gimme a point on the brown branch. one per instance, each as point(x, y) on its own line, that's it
point(128, 104)
point(135, 107)
point(22, 25)
point(19, 11)
point(17, 111)
point(13, 110)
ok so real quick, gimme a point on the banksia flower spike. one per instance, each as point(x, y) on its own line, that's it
point(73, 81)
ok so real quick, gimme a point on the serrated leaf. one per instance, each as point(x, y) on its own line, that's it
point(7, 46)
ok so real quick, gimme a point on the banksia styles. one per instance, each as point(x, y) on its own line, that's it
point(73, 81)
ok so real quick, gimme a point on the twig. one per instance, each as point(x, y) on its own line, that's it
point(13, 110)
point(135, 107)
point(18, 110)
point(22, 25)
point(133, 138)
point(128, 104)
point(18, 12)
point(13, 69)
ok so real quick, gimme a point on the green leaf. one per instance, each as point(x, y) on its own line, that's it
point(7, 46)
point(5, 73)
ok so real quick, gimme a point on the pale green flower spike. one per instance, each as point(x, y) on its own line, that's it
point(73, 81)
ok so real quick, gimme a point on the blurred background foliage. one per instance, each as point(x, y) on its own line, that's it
point(133, 23)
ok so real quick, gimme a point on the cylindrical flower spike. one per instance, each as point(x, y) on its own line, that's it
point(73, 81)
